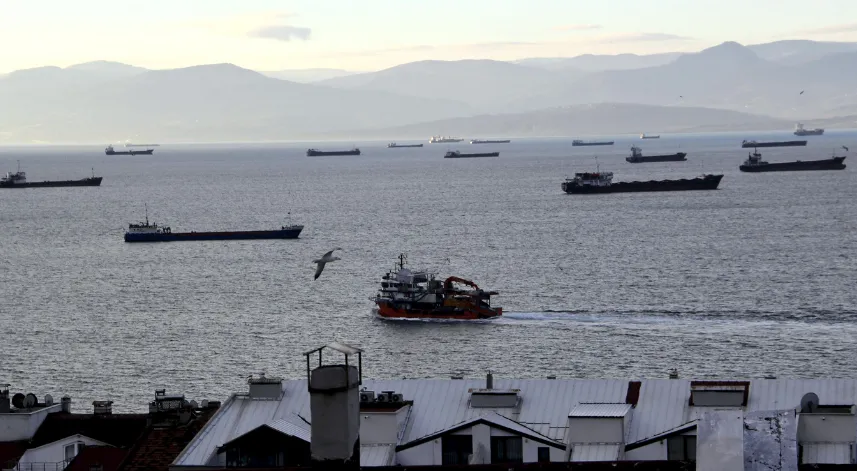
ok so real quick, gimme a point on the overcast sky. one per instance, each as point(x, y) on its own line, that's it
point(374, 34)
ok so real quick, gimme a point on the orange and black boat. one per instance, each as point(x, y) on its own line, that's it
point(406, 294)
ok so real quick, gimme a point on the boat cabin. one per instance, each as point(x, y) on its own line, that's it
point(754, 158)
point(14, 177)
point(636, 151)
point(146, 228)
point(592, 178)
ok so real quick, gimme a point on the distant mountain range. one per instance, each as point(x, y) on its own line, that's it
point(728, 86)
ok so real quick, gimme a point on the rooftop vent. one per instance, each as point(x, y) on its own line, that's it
point(65, 404)
point(102, 407)
point(491, 397)
point(265, 388)
point(165, 403)
point(719, 393)
point(674, 373)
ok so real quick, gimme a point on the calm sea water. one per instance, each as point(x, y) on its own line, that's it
point(755, 278)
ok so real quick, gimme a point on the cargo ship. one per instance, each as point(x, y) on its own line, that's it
point(754, 163)
point(490, 141)
point(319, 153)
point(638, 157)
point(578, 142)
point(393, 145)
point(454, 154)
point(109, 150)
point(754, 144)
point(602, 182)
point(145, 232)
point(406, 294)
point(19, 180)
point(801, 131)
point(443, 139)
point(650, 136)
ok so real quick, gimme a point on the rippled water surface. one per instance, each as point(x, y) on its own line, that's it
point(755, 278)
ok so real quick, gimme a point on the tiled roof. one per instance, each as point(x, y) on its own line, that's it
point(161, 445)
point(600, 410)
point(120, 430)
point(107, 456)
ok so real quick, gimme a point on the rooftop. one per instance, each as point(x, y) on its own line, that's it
point(121, 430)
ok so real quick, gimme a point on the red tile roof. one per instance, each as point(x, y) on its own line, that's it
point(107, 456)
point(160, 446)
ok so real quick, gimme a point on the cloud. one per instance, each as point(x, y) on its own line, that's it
point(642, 37)
point(282, 32)
point(580, 27)
point(832, 29)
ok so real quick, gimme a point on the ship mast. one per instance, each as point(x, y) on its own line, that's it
point(401, 261)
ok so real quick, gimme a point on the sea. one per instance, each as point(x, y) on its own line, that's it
point(756, 278)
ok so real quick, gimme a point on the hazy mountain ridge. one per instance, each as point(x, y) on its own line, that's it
point(308, 75)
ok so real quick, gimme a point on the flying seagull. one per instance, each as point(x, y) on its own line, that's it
point(326, 258)
point(846, 149)
point(801, 92)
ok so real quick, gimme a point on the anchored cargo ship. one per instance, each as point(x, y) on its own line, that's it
point(19, 180)
point(145, 232)
point(490, 141)
point(443, 139)
point(650, 136)
point(319, 153)
point(754, 163)
point(578, 142)
point(454, 154)
point(393, 145)
point(602, 182)
point(109, 150)
point(801, 131)
point(637, 156)
point(754, 144)
point(406, 294)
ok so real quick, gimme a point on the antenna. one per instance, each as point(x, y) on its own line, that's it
point(146, 205)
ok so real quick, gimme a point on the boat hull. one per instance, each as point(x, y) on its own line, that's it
point(468, 156)
point(709, 182)
point(814, 132)
point(835, 163)
point(319, 153)
point(392, 311)
point(584, 144)
point(491, 142)
point(92, 181)
point(291, 233)
point(751, 145)
point(404, 146)
point(677, 157)
point(130, 152)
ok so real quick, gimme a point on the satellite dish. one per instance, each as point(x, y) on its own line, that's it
point(18, 400)
point(30, 400)
point(49, 400)
point(205, 404)
point(809, 403)
point(193, 405)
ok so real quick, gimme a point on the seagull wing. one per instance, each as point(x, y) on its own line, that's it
point(318, 270)
point(328, 254)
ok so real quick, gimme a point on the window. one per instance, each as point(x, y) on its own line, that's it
point(456, 449)
point(544, 454)
point(72, 449)
point(681, 448)
point(507, 450)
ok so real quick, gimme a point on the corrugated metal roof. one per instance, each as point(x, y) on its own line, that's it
point(590, 452)
point(290, 428)
point(827, 453)
point(495, 419)
point(600, 410)
point(377, 455)
point(544, 406)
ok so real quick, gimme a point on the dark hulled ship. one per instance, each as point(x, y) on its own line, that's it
point(393, 145)
point(19, 180)
point(638, 157)
point(490, 141)
point(602, 182)
point(754, 163)
point(111, 151)
point(454, 154)
point(753, 144)
point(319, 153)
point(578, 143)
point(145, 232)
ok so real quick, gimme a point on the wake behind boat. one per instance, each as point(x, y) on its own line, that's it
point(319, 153)
point(754, 163)
point(406, 294)
point(637, 156)
point(19, 180)
point(602, 182)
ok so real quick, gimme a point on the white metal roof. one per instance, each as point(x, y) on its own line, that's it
point(543, 407)
point(595, 452)
point(827, 453)
point(377, 455)
point(291, 429)
point(498, 420)
point(600, 410)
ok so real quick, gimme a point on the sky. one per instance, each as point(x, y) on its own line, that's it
point(364, 35)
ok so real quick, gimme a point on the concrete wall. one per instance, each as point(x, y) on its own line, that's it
point(827, 428)
point(52, 453)
point(720, 441)
point(378, 427)
point(770, 441)
point(652, 452)
point(22, 426)
point(595, 430)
